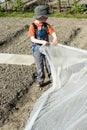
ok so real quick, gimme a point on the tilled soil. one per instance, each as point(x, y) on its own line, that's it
point(18, 87)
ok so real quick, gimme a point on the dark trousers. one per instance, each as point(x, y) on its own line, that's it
point(41, 60)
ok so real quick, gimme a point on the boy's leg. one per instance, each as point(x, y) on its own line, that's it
point(47, 67)
point(39, 64)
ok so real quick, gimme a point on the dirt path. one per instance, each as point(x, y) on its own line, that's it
point(18, 90)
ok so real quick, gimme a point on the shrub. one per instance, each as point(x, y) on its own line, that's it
point(2, 9)
point(77, 9)
point(18, 6)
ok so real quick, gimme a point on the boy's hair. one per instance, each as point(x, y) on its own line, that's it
point(41, 10)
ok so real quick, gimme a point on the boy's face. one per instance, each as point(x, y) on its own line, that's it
point(42, 19)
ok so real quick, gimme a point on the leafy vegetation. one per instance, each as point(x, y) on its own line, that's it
point(30, 15)
point(17, 9)
point(2, 9)
point(77, 8)
point(69, 15)
point(18, 6)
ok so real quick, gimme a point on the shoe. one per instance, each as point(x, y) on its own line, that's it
point(41, 84)
point(50, 79)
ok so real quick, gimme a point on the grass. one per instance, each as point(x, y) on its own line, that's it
point(30, 15)
point(69, 15)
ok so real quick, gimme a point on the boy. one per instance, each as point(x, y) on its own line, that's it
point(38, 32)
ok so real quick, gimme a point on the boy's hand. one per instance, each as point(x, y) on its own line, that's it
point(45, 43)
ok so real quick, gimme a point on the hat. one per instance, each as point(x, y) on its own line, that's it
point(41, 10)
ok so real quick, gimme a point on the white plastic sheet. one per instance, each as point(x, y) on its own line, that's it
point(64, 105)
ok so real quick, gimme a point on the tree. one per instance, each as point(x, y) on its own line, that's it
point(59, 6)
point(75, 3)
point(68, 3)
point(6, 6)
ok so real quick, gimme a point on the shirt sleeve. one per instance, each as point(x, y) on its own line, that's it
point(50, 29)
point(31, 31)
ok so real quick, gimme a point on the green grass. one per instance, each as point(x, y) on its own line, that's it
point(30, 15)
point(69, 15)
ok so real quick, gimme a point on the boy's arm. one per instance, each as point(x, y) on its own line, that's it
point(43, 42)
point(55, 40)
point(52, 32)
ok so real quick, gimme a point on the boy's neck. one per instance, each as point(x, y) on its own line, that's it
point(38, 22)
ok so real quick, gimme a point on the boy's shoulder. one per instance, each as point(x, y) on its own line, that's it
point(36, 25)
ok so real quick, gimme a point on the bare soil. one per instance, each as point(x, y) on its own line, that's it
point(18, 87)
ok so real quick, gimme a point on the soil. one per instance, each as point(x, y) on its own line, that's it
point(18, 86)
